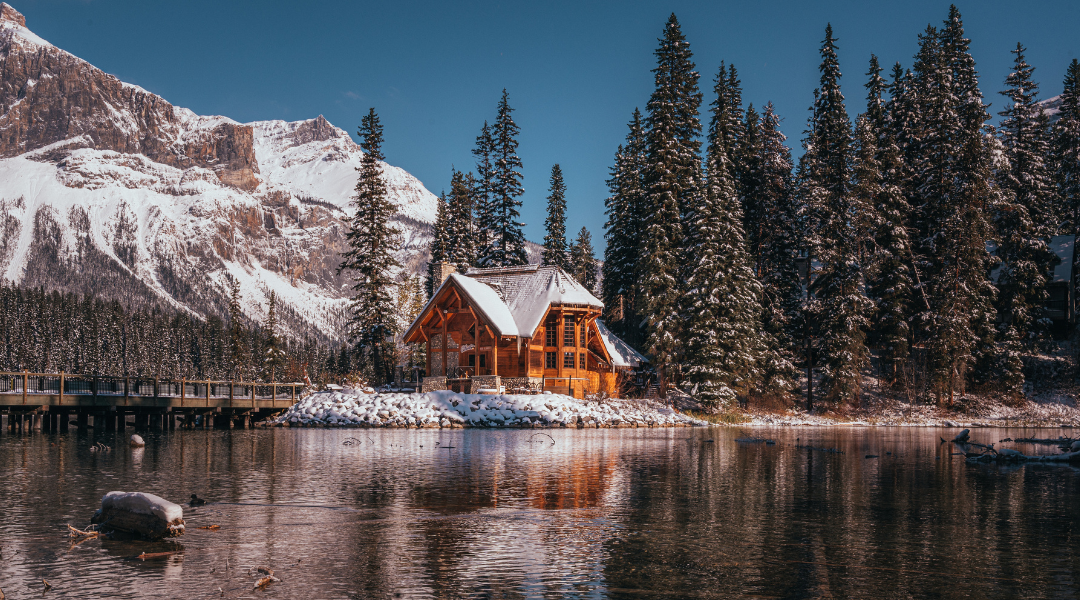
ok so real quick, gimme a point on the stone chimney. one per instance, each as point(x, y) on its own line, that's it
point(7, 13)
point(442, 271)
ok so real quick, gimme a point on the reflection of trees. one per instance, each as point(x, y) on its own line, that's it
point(622, 513)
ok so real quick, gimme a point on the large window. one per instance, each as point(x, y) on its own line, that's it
point(551, 333)
point(581, 361)
point(549, 360)
point(568, 331)
point(568, 360)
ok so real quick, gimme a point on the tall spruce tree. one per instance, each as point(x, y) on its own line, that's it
point(879, 173)
point(840, 307)
point(778, 248)
point(274, 359)
point(723, 339)
point(237, 335)
point(555, 251)
point(372, 240)
point(506, 243)
point(672, 182)
point(1024, 225)
point(460, 222)
point(483, 190)
point(625, 213)
point(440, 241)
point(1066, 150)
point(948, 152)
point(582, 261)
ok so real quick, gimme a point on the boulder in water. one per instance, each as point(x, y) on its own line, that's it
point(137, 441)
point(141, 514)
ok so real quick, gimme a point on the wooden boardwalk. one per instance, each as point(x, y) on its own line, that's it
point(47, 401)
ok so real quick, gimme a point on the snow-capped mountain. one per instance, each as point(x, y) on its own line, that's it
point(107, 188)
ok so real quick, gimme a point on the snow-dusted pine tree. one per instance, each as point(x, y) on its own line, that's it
point(840, 308)
point(439, 244)
point(555, 251)
point(622, 233)
point(460, 224)
point(506, 244)
point(672, 181)
point(723, 334)
point(1024, 225)
point(370, 259)
point(237, 336)
point(582, 263)
point(948, 150)
point(878, 176)
point(274, 356)
point(1066, 148)
point(483, 190)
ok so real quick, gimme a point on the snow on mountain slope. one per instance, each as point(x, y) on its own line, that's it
point(108, 189)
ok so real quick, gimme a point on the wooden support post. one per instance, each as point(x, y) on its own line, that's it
point(61, 388)
point(183, 386)
point(64, 417)
point(494, 355)
point(293, 386)
point(445, 343)
point(25, 384)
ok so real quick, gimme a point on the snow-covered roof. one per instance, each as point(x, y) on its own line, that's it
point(486, 301)
point(622, 355)
point(529, 290)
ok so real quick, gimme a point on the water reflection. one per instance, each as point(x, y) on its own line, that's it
point(600, 513)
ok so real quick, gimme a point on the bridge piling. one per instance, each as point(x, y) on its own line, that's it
point(82, 420)
point(64, 416)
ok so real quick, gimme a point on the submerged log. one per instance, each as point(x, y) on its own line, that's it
point(139, 514)
point(1014, 456)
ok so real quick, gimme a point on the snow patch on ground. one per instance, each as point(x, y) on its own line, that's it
point(450, 409)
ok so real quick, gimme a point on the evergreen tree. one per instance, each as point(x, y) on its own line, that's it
point(506, 243)
point(1066, 149)
point(1025, 224)
point(624, 209)
point(237, 341)
point(483, 191)
point(461, 230)
point(879, 173)
point(777, 240)
point(723, 346)
point(950, 159)
point(274, 361)
point(440, 242)
point(372, 240)
point(555, 240)
point(840, 307)
point(582, 263)
point(672, 182)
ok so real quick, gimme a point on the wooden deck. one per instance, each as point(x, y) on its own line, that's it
point(52, 396)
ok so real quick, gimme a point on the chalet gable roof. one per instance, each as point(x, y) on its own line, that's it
point(529, 290)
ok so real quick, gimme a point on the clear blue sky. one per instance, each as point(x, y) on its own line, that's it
point(574, 70)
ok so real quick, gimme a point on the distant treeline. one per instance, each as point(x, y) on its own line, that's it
point(43, 331)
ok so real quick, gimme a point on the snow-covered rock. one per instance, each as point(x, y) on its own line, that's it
point(450, 409)
point(140, 513)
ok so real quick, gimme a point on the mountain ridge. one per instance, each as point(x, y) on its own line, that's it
point(110, 189)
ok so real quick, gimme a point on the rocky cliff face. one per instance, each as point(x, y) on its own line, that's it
point(48, 96)
point(108, 189)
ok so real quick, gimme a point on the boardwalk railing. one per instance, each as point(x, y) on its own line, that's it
point(61, 389)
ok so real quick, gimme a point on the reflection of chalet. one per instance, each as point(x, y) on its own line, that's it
point(526, 328)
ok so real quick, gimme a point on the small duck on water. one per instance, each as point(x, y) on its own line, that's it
point(196, 501)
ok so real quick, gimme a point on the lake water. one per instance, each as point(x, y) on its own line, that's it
point(628, 513)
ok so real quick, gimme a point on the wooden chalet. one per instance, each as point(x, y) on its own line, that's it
point(520, 329)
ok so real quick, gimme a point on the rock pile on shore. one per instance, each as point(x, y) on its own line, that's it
point(451, 409)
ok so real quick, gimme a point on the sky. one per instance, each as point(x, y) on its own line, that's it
point(574, 71)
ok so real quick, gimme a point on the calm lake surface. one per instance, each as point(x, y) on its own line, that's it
point(628, 513)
